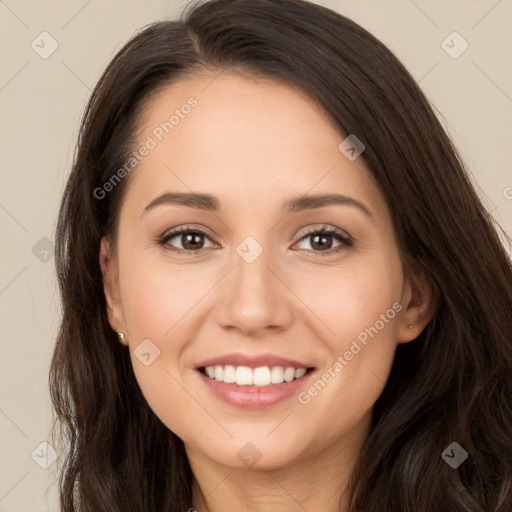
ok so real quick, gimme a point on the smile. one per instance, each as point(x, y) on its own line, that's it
point(253, 377)
point(254, 381)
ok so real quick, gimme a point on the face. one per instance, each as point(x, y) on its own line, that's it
point(272, 281)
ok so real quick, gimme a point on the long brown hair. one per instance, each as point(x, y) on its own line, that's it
point(452, 384)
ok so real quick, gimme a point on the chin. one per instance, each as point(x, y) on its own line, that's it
point(255, 452)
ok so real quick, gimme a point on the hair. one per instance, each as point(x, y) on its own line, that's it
point(451, 384)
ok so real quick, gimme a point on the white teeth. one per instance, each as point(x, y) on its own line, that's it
point(219, 372)
point(300, 373)
point(229, 374)
point(243, 376)
point(261, 376)
point(276, 375)
point(289, 374)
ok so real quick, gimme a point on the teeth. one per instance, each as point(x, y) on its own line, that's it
point(289, 374)
point(243, 376)
point(261, 376)
point(277, 375)
point(300, 373)
point(229, 374)
point(219, 372)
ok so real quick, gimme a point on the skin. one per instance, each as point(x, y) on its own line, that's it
point(254, 143)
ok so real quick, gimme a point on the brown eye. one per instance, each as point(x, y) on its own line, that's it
point(191, 240)
point(321, 241)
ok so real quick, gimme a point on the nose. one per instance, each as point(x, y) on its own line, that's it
point(254, 297)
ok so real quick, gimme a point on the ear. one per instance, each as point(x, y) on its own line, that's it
point(109, 270)
point(419, 301)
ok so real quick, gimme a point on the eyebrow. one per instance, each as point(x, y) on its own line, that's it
point(299, 203)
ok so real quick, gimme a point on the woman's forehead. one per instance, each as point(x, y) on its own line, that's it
point(244, 134)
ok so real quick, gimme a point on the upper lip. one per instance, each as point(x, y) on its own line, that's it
point(252, 361)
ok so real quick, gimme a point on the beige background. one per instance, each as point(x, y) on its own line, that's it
point(41, 102)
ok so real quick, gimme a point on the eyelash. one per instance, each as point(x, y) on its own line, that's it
point(346, 240)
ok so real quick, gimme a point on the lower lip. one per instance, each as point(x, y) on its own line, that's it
point(254, 397)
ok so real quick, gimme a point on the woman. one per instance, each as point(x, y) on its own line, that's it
point(312, 303)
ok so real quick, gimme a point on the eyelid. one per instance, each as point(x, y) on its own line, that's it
point(324, 228)
point(345, 239)
point(180, 230)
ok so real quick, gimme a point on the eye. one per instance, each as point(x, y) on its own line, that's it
point(191, 239)
point(321, 240)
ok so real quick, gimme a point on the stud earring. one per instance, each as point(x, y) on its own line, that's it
point(122, 338)
point(412, 329)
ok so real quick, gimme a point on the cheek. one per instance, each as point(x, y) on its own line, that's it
point(357, 309)
point(351, 297)
point(161, 304)
point(157, 295)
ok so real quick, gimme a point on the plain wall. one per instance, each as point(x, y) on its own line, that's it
point(41, 102)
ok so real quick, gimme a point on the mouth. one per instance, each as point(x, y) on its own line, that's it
point(254, 381)
point(262, 376)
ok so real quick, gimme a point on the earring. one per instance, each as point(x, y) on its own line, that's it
point(412, 329)
point(122, 338)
